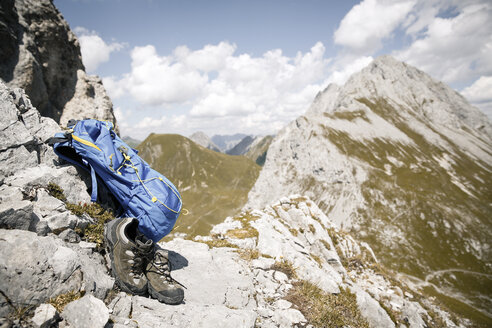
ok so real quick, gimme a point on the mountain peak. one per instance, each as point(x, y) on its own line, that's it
point(401, 160)
point(413, 93)
point(204, 140)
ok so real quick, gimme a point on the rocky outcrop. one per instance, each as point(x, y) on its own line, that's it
point(36, 265)
point(40, 54)
point(203, 140)
point(248, 271)
point(403, 162)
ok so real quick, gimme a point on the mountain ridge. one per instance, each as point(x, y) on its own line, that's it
point(399, 159)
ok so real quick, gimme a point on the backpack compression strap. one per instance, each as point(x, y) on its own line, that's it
point(65, 138)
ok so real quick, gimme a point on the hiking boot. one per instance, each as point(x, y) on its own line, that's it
point(129, 254)
point(161, 285)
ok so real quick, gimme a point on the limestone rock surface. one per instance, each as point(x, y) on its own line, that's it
point(87, 312)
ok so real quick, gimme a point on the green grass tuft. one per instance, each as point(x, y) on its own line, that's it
point(56, 191)
point(286, 267)
point(60, 301)
point(326, 310)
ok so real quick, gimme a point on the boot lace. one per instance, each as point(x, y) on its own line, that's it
point(162, 266)
point(142, 255)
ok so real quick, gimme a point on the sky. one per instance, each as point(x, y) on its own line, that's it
point(252, 66)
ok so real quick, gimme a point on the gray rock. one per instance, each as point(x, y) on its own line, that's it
point(201, 270)
point(121, 305)
point(123, 323)
point(17, 215)
point(283, 304)
point(36, 268)
point(86, 312)
point(288, 318)
point(69, 236)
point(371, 310)
point(66, 177)
point(87, 245)
point(14, 159)
point(61, 221)
point(45, 204)
point(13, 133)
point(150, 313)
point(262, 263)
point(276, 240)
point(96, 278)
point(5, 307)
point(44, 316)
point(413, 312)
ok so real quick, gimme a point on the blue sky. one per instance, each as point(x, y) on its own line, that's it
point(252, 66)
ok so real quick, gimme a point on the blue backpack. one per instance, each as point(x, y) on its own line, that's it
point(143, 193)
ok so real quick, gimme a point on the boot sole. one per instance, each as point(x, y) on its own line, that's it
point(165, 299)
point(117, 280)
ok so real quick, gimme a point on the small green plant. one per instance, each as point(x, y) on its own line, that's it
point(94, 232)
point(60, 301)
point(286, 267)
point(22, 314)
point(216, 242)
point(56, 191)
point(242, 233)
point(293, 232)
point(247, 230)
point(249, 254)
point(323, 309)
point(326, 244)
point(317, 259)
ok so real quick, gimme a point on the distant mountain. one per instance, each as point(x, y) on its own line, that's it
point(405, 163)
point(213, 185)
point(258, 149)
point(226, 142)
point(253, 147)
point(131, 142)
point(242, 147)
point(203, 140)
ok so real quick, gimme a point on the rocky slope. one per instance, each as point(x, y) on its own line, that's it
point(39, 53)
point(203, 140)
point(213, 185)
point(284, 266)
point(258, 150)
point(404, 162)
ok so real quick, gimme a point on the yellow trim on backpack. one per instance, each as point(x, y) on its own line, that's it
point(154, 199)
point(85, 142)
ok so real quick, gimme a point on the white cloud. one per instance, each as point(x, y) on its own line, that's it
point(347, 68)
point(210, 58)
point(163, 124)
point(94, 50)
point(156, 80)
point(480, 91)
point(480, 94)
point(222, 89)
point(453, 49)
point(367, 24)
